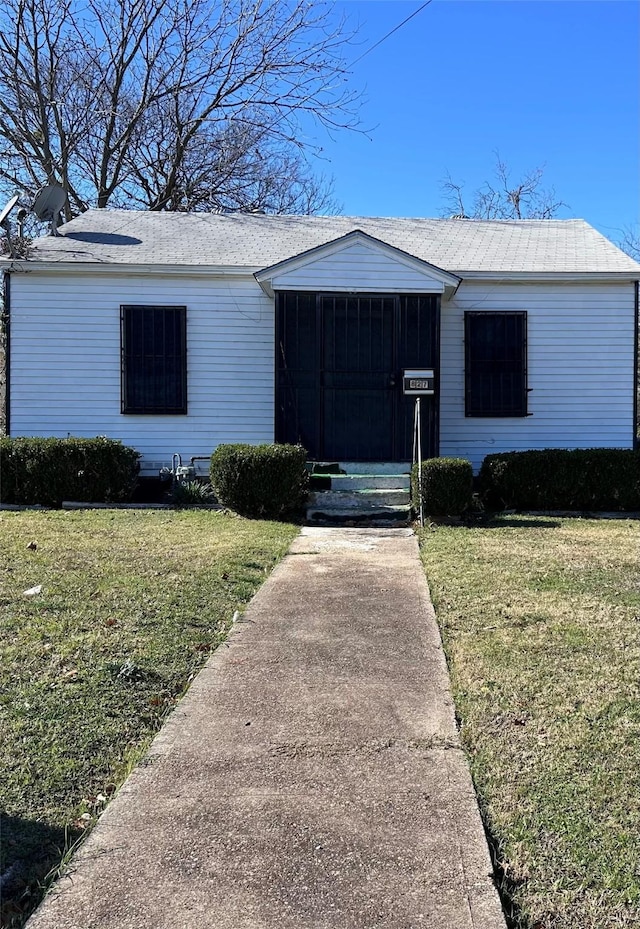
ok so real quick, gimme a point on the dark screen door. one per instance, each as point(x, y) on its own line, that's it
point(357, 377)
point(339, 361)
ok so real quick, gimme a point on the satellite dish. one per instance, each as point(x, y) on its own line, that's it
point(10, 205)
point(48, 203)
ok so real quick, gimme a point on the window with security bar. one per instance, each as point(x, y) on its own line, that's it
point(154, 359)
point(495, 363)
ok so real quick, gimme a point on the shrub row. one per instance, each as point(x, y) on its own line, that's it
point(270, 481)
point(584, 479)
point(265, 481)
point(48, 470)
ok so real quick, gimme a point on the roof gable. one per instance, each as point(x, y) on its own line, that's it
point(356, 262)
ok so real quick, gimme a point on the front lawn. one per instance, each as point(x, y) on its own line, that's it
point(541, 626)
point(132, 603)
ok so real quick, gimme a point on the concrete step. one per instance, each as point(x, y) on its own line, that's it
point(391, 516)
point(371, 467)
point(355, 482)
point(359, 499)
point(360, 493)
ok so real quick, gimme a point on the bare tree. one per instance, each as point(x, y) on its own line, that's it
point(171, 104)
point(504, 198)
point(630, 242)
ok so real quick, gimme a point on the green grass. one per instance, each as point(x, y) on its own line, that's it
point(132, 604)
point(541, 626)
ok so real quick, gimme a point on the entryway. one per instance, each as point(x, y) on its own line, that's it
point(339, 362)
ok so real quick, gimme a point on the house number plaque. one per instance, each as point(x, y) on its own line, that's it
point(419, 382)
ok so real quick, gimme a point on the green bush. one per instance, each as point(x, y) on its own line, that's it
point(583, 479)
point(260, 480)
point(447, 486)
point(192, 493)
point(48, 470)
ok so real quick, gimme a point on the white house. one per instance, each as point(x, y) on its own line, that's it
point(175, 332)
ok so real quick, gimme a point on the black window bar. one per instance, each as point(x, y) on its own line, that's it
point(154, 359)
point(495, 363)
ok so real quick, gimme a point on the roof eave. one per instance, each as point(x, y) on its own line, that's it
point(34, 265)
point(551, 276)
point(31, 265)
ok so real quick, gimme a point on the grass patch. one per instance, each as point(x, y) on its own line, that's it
point(541, 626)
point(132, 604)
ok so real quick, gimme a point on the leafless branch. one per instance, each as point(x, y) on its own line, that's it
point(504, 198)
point(173, 104)
point(630, 241)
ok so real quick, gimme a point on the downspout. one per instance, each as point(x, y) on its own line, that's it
point(636, 377)
point(5, 335)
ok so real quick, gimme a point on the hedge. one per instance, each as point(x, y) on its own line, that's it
point(447, 486)
point(49, 470)
point(265, 481)
point(584, 480)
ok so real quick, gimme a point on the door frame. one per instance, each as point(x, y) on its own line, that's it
point(431, 425)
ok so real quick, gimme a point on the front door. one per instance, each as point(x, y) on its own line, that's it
point(357, 378)
point(339, 372)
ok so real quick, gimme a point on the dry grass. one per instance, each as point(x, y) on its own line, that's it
point(132, 603)
point(541, 626)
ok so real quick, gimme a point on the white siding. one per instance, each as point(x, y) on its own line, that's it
point(65, 361)
point(580, 363)
point(358, 267)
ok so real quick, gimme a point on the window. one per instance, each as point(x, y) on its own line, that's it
point(154, 359)
point(495, 364)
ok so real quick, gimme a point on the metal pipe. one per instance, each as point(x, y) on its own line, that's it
point(416, 455)
point(419, 420)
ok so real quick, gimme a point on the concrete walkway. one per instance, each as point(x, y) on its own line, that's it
point(312, 777)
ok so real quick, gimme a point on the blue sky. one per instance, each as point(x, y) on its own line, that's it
point(553, 83)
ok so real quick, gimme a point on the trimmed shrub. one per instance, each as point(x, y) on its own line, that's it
point(583, 479)
point(447, 486)
point(266, 481)
point(48, 470)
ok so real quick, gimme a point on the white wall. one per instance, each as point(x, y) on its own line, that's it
point(65, 364)
point(65, 361)
point(580, 362)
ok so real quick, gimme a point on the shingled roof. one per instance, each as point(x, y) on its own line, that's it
point(254, 241)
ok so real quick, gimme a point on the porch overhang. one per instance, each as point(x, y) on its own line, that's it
point(357, 263)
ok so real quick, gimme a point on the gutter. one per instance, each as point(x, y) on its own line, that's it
point(580, 277)
point(102, 267)
point(6, 315)
point(246, 272)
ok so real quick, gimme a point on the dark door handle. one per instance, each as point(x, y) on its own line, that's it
point(392, 380)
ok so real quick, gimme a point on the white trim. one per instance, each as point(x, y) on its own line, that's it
point(26, 266)
point(97, 267)
point(433, 288)
point(571, 277)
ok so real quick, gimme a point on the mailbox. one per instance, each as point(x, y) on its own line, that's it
point(419, 382)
